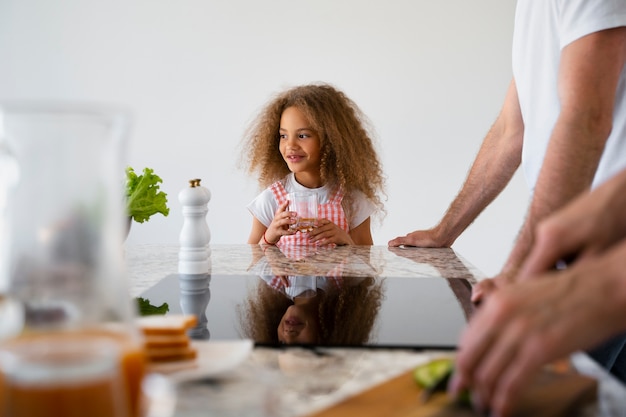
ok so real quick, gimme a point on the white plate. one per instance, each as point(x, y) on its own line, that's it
point(214, 358)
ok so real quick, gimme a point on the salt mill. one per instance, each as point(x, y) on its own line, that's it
point(194, 256)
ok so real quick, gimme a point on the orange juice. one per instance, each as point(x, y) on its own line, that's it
point(304, 224)
point(133, 370)
point(101, 397)
point(90, 372)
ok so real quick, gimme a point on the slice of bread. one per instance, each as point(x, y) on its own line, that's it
point(171, 354)
point(167, 324)
point(166, 338)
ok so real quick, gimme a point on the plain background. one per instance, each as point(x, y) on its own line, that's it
point(430, 75)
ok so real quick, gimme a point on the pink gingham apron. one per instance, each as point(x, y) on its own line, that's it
point(298, 246)
point(332, 211)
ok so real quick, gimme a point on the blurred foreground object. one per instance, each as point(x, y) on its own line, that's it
point(69, 342)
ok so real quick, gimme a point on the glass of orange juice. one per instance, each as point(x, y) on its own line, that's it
point(70, 334)
point(58, 377)
point(304, 204)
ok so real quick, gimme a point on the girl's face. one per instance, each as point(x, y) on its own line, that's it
point(298, 326)
point(300, 147)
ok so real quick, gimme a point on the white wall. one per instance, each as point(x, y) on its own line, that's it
point(429, 74)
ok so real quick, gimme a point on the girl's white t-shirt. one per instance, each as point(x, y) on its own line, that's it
point(542, 29)
point(299, 285)
point(264, 206)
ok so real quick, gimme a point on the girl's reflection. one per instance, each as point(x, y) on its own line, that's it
point(309, 310)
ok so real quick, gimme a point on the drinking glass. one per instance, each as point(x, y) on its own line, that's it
point(63, 378)
point(62, 218)
point(304, 204)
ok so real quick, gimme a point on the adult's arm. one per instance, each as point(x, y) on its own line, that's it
point(587, 226)
point(496, 162)
point(588, 76)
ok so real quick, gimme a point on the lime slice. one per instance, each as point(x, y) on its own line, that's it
point(429, 374)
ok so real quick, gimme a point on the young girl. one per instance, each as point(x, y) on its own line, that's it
point(313, 138)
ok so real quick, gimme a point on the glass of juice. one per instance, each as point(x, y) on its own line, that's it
point(58, 377)
point(304, 204)
point(70, 334)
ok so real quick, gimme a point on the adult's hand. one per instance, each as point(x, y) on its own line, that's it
point(487, 286)
point(430, 238)
point(528, 324)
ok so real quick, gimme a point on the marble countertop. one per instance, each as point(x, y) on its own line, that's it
point(148, 263)
point(297, 382)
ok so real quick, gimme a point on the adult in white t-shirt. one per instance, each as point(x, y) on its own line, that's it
point(563, 119)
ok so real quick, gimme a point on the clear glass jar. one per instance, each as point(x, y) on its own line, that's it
point(62, 223)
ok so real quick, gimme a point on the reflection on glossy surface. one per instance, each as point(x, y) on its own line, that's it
point(342, 315)
point(327, 308)
point(195, 294)
point(342, 296)
point(450, 266)
point(149, 263)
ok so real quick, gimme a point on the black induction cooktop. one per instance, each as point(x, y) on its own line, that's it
point(376, 312)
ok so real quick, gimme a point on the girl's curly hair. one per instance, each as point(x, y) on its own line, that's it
point(348, 155)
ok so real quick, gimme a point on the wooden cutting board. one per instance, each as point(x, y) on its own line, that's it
point(551, 395)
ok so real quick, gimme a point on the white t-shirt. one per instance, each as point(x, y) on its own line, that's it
point(308, 285)
point(542, 29)
point(264, 206)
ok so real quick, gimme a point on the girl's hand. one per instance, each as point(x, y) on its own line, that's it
point(280, 224)
point(327, 232)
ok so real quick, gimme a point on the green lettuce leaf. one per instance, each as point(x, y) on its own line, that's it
point(143, 198)
point(147, 309)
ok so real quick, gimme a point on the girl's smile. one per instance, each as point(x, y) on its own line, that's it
point(295, 158)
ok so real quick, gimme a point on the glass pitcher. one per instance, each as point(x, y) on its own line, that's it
point(65, 309)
